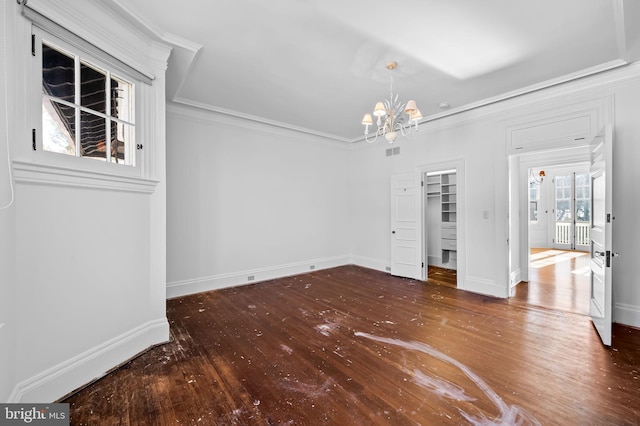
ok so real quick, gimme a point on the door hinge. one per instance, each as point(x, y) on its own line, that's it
point(33, 139)
point(423, 264)
point(608, 217)
point(33, 45)
point(421, 183)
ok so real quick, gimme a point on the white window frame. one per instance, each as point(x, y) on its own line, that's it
point(79, 57)
point(44, 167)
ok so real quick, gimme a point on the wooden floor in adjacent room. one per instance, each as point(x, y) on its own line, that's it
point(558, 279)
point(352, 346)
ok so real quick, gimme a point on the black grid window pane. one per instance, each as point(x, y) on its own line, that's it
point(121, 93)
point(57, 134)
point(92, 136)
point(93, 89)
point(58, 82)
point(121, 143)
point(86, 111)
point(58, 75)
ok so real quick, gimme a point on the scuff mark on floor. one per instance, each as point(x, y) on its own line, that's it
point(511, 415)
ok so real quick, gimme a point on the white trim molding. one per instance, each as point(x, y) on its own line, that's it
point(206, 112)
point(515, 278)
point(372, 263)
point(485, 286)
point(627, 314)
point(251, 276)
point(92, 364)
point(121, 39)
point(45, 174)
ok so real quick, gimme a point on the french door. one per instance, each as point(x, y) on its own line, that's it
point(572, 209)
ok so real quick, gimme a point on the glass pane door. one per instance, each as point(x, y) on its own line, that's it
point(583, 211)
point(572, 211)
point(563, 209)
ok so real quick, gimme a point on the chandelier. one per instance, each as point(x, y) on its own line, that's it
point(393, 117)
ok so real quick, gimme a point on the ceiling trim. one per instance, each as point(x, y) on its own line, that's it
point(201, 114)
point(132, 17)
point(620, 29)
point(256, 119)
point(522, 91)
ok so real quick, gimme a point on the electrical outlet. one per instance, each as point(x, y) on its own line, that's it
point(312, 267)
point(251, 277)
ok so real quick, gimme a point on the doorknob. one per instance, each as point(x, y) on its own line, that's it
point(599, 253)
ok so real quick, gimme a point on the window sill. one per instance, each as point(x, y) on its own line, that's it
point(45, 174)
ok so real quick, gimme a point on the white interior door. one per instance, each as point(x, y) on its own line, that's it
point(600, 306)
point(406, 226)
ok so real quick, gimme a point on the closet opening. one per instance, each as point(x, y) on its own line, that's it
point(441, 225)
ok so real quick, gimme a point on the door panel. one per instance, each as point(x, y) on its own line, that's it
point(406, 229)
point(600, 306)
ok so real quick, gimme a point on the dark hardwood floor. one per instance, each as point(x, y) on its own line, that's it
point(352, 346)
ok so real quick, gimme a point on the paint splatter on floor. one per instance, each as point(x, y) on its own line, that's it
point(510, 415)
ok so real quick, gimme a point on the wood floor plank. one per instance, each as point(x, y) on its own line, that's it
point(352, 346)
point(558, 279)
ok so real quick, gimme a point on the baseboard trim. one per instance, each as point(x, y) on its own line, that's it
point(371, 263)
point(484, 286)
point(627, 314)
point(217, 282)
point(69, 375)
point(515, 277)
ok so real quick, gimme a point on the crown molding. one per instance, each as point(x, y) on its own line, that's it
point(585, 83)
point(221, 115)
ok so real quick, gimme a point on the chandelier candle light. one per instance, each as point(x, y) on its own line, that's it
point(393, 116)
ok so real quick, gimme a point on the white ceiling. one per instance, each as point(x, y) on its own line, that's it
point(319, 65)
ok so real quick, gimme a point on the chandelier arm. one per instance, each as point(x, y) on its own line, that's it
point(366, 137)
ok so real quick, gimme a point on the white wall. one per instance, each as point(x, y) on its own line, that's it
point(478, 137)
point(7, 218)
point(448, 140)
point(249, 199)
point(85, 285)
point(7, 310)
